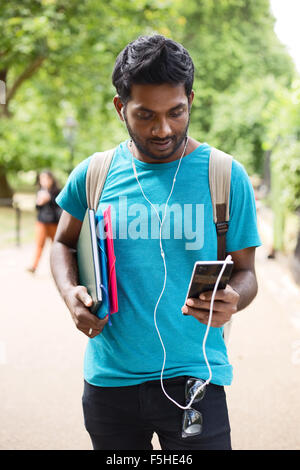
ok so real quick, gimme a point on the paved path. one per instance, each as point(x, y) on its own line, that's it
point(41, 359)
point(264, 349)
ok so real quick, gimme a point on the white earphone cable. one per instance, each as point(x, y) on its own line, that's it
point(161, 221)
point(203, 344)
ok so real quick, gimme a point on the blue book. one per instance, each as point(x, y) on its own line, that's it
point(88, 260)
point(104, 308)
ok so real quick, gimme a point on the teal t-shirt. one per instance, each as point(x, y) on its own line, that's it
point(129, 351)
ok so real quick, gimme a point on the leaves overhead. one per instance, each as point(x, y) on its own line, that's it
point(57, 56)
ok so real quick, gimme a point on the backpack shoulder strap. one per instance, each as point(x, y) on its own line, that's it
point(219, 182)
point(96, 176)
point(220, 164)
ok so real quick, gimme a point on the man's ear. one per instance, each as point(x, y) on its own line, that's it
point(191, 98)
point(119, 107)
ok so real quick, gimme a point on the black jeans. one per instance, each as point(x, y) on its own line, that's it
point(119, 418)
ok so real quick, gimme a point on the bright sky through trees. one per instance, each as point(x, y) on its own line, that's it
point(287, 14)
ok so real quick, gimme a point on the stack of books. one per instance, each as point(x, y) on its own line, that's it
point(97, 262)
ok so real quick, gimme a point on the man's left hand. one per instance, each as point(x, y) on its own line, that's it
point(225, 305)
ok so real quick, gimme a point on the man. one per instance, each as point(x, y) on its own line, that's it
point(158, 188)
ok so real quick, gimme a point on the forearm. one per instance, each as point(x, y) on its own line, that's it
point(64, 267)
point(245, 284)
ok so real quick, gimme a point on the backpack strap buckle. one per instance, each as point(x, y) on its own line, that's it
point(222, 228)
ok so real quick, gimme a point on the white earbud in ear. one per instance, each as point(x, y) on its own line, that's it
point(122, 113)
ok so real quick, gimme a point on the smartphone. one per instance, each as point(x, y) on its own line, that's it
point(205, 275)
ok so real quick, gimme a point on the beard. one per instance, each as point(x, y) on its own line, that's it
point(177, 141)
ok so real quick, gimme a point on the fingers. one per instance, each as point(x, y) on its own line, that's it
point(219, 306)
point(81, 294)
point(84, 320)
point(92, 332)
point(88, 323)
point(225, 304)
point(225, 295)
point(201, 315)
point(223, 309)
point(218, 318)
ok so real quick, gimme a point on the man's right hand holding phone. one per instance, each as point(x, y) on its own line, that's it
point(225, 305)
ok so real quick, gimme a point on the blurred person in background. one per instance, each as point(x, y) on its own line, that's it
point(48, 213)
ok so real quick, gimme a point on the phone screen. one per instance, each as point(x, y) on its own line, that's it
point(205, 275)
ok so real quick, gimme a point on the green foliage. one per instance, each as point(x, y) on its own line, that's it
point(239, 61)
point(237, 123)
point(282, 116)
point(57, 56)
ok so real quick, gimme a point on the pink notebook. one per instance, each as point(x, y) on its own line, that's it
point(111, 261)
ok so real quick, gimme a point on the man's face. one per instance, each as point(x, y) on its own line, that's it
point(157, 119)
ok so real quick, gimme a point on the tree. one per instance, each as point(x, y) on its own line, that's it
point(238, 60)
point(57, 55)
point(282, 116)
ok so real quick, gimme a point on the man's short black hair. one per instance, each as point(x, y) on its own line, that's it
point(152, 60)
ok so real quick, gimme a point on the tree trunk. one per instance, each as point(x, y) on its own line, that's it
point(4, 112)
point(267, 171)
point(6, 193)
